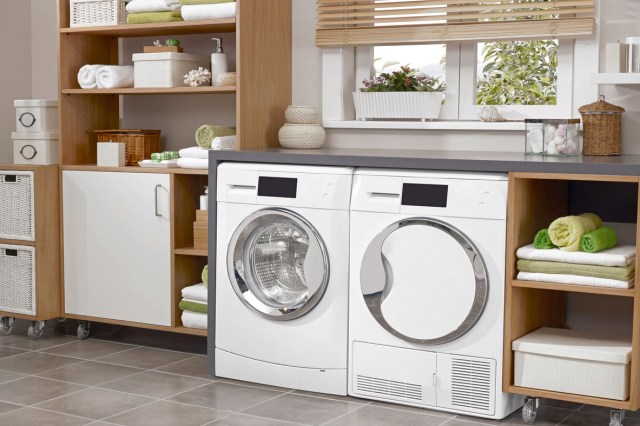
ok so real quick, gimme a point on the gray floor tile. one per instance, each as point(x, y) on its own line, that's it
point(377, 416)
point(545, 416)
point(9, 376)
point(35, 362)
point(411, 409)
point(95, 403)
point(47, 340)
point(594, 418)
point(88, 349)
point(302, 409)
point(253, 385)
point(329, 396)
point(245, 420)
point(224, 396)
point(5, 407)
point(90, 373)
point(560, 404)
point(6, 351)
point(194, 367)
point(155, 384)
point(34, 417)
point(167, 413)
point(146, 358)
point(32, 390)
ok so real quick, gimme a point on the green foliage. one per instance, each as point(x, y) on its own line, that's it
point(406, 79)
point(519, 73)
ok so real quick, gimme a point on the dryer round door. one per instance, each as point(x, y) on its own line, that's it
point(278, 264)
point(424, 281)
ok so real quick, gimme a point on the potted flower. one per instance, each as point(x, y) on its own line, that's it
point(403, 94)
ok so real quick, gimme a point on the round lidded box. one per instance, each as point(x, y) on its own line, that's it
point(602, 128)
point(301, 136)
point(298, 114)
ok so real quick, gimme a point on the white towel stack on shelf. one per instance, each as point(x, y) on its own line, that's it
point(198, 158)
point(145, 6)
point(195, 294)
point(196, 12)
point(105, 76)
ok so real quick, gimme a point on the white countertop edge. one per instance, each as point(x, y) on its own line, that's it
point(511, 126)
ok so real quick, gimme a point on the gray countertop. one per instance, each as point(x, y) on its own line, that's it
point(628, 165)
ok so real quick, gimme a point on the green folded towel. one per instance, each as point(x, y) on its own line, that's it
point(187, 305)
point(207, 133)
point(565, 232)
point(183, 2)
point(154, 17)
point(610, 272)
point(601, 239)
point(205, 276)
point(542, 240)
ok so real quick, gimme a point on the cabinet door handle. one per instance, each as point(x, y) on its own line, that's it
point(156, 203)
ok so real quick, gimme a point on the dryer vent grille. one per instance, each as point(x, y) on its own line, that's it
point(471, 384)
point(388, 388)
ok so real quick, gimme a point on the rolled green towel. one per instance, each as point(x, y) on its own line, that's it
point(601, 239)
point(188, 305)
point(609, 272)
point(186, 2)
point(207, 133)
point(566, 232)
point(153, 17)
point(205, 276)
point(542, 240)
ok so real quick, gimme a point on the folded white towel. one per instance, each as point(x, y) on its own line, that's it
point(143, 6)
point(87, 76)
point(196, 12)
point(194, 320)
point(224, 142)
point(115, 76)
point(193, 163)
point(198, 293)
point(574, 279)
point(617, 256)
point(194, 152)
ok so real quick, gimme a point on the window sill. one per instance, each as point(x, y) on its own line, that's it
point(510, 126)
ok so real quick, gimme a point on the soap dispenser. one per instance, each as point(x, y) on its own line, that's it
point(218, 61)
point(204, 199)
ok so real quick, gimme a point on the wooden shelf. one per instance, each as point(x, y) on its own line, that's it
point(154, 91)
point(191, 251)
point(136, 169)
point(623, 79)
point(624, 292)
point(192, 331)
point(165, 28)
point(581, 399)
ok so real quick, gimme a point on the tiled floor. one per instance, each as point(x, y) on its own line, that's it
point(59, 380)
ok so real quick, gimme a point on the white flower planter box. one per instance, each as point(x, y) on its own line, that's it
point(397, 105)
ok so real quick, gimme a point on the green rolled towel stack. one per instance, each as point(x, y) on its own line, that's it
point(542, 240)
point(207, 133)
point(566, 232)
point(601, 239)
point(205, 276)
point(188, 305)
point(154, 17)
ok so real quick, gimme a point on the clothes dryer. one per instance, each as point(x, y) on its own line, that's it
point(282, 275)
point(427, 290)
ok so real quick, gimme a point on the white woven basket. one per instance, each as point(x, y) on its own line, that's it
point(303, 136)
point(225, 79)
point(89, 13)
point(16, 205)
point(17, 279)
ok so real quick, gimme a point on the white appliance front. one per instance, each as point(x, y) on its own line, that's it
point(427, 290)
point(282, 277)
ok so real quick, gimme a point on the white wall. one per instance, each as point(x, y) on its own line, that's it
point(44, 52)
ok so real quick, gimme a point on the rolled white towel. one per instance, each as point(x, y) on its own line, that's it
point(196, 12)
point(143, 6)
point(194, 152)
point(115, 76)
point(224, 142)
point(193, 163)
point(87, 76)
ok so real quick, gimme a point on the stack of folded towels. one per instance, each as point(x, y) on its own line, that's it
point(578, 250)
point(194, 304)
point(207, 137)
point(195, 10)
point(153, 11)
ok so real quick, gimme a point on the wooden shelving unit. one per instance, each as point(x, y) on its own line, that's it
point(535, 200)
point(262, 30)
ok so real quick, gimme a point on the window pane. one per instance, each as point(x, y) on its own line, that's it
point(428, 58)
point(517, 73)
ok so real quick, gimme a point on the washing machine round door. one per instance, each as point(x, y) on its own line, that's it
point(278, 264)
point(424, 281)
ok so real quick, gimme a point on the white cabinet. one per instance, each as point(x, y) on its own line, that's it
point(117, 246)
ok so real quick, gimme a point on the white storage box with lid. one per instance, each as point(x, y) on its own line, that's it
point(35, 148)
point(16, 205)
point(36, 115)
point(165, 69)
point(573, 362)
point(17, 279)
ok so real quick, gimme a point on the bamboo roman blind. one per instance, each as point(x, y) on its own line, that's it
point(389, 22)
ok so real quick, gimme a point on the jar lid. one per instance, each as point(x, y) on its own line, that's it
point(601, 107)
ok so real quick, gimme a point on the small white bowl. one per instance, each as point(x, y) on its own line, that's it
point(297, 114)
point(301, 136)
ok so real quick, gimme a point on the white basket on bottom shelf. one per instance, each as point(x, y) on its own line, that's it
point(17, 279)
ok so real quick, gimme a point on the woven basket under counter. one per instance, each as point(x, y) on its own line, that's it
point(602, 128)
point(17, 279)
point(138, 144)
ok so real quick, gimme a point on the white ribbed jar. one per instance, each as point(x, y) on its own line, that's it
point(397, 105)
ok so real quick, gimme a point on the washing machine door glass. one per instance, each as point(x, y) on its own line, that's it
point(278, 264)
point(424, 281)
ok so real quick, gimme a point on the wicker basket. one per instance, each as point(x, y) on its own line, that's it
point(18, 279)
point(89, 13)
point(602, 128)
point(138, 144)
point(16, 205)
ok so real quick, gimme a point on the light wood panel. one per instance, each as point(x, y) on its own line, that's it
point(180, 329)
point(153, 91)
point(147, 30)
point(138, 169)
point(581, 399)
point(634, 381)
point(631, 292)
point(191, 251)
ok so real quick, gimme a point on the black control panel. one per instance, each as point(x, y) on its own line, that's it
point(277, 187)
point(422, 195)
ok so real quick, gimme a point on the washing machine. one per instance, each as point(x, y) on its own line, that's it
point(426, 300)
point(282, 275)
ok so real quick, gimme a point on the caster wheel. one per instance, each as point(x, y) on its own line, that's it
point(35, 329)
point(60, 320)
point(616, 417)
point(529, 410)
point(6, 324)
point(83, 330)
